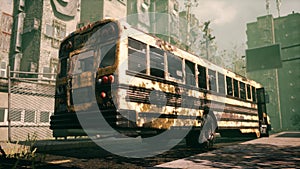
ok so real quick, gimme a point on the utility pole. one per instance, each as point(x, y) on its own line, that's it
point(278, 4)
point(268, 6)
point(208, 37)
point(188, 4)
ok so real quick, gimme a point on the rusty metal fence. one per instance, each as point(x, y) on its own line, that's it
point(30, 105)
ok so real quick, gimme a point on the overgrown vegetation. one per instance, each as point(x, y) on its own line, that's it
point(22, 154)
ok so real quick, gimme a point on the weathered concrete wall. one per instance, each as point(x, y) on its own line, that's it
point(3, 100)
point(50, 44)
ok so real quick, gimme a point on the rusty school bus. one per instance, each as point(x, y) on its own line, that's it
point(142, 85)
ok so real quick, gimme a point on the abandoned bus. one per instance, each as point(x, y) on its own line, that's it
point(141, 84)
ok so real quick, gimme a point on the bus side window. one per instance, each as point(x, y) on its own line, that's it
point(242, 91)
point(157, 62)
point(249, 92)
point(137, 56)
point(202, 77)
point(221, 82)
point(190, 73)
point(212, 85)
point(174, 66)
point(229, 86)
point(235, 88)
point(254, 94)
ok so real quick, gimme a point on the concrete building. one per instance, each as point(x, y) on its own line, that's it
point(94, 10)
point(282, 83)
point(158, 17)
point(31, 32)
point(39, 27)
point(190, 33)
point(6, 22)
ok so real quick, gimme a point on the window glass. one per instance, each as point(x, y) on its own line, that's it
point(174, 66)
point(254, 94)
point(2, 112)
point(236, 88)
point(242, 90)
point(136, 56)
point(157, 62)
point(229, 86)
point(15, 114)
point(202, 77)
point(46, 70)
point(249, 91)
point(44, 117)
point(190, 73)
point(221, 81)
point(63, 67)
point(212, 80)
point(83, 62)
point(29, 116)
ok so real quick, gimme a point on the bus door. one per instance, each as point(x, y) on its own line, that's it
point(262, 111)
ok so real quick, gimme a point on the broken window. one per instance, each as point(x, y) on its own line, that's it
point(190, 73)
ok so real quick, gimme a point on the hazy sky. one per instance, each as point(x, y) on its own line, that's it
point(229, 17)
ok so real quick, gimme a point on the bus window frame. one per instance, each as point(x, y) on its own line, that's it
point(167, 67)
point(202, 76)
point(242, 90)
point(227, 86)
point(249, 92)
point(236, 90)
point(223, 86)
point(77, 53)
point(212, 80)
point(254, 95)
point(163, 59)
point(140, 51)
point(194, 82)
